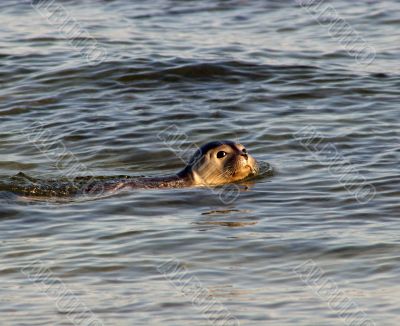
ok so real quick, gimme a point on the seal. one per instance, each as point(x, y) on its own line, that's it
point(215, 163)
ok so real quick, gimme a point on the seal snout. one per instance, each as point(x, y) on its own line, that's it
point(242, 152)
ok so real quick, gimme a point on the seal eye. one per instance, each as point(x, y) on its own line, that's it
point(221, 154)
point(244, 150)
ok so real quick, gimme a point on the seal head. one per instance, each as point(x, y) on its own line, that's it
point(220, 162)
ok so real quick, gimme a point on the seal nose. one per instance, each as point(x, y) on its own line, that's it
point(244, 155)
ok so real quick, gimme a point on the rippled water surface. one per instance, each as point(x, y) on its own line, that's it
point(272, 75)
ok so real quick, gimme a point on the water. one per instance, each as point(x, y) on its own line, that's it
point(265, 73)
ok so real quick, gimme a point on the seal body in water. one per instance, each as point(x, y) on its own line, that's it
point(215, 163)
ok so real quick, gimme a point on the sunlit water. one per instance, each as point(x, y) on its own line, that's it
point(260, 72)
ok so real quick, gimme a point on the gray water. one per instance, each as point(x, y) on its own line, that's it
point(275, 76)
